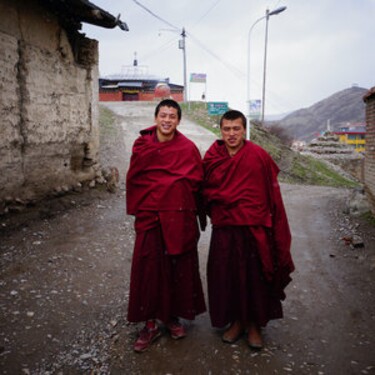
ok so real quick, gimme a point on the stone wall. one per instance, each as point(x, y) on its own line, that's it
point(370, 148)
point(48, 104)
point(328, 147)
point(354, 167)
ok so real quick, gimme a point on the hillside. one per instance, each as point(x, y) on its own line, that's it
point(294, 167)
point(342, 107)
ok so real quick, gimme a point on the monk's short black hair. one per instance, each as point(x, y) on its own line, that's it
point(168, 103)
point(233, 115)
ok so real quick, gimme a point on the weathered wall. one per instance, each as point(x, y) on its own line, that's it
point(48, 104)
point(370, 148)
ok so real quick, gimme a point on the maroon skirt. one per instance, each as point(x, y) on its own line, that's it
point(163, 286)
point(237, 289)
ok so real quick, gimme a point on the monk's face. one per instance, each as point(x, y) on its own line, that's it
point(233, 132)
point(166, 123)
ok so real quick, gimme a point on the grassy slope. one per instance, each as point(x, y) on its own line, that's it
point(294, 168)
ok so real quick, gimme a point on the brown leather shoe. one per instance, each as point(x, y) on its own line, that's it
point(254, 337)
point(233, 333)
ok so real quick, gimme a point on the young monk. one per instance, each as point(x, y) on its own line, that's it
point(249, 260)
point(162, 183)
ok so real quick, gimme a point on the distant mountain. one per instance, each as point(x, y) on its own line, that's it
point(276, 117)
point(340, 108)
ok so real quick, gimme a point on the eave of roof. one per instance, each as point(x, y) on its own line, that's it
point(130, 84)
point(133, 77)
point(84, 11)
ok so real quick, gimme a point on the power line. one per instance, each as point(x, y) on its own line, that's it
point(232, 68)
point(162, 48)
point(207, 12)
point(155, 15)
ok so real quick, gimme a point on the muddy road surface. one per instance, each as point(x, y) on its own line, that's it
point(65, 278)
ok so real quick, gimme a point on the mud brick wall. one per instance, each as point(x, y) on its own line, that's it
point(49, 134)
point(370, 147)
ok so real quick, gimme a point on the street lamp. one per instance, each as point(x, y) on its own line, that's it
point(266, 16)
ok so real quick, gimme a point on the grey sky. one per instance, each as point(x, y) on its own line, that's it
point(315, 47)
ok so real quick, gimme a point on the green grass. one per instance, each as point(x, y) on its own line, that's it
point(107, 123)
point(311, 171)
point(197, 112)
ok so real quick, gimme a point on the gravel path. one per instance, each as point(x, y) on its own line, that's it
point(64, 270)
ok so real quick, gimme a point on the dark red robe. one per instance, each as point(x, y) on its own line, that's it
point(161, 186)
point(250, 232)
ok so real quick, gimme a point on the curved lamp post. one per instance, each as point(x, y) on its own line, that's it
point(266, 16)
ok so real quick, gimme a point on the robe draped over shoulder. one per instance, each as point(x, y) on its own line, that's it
point(163, 176)
point(161, 186)
point(243, 191)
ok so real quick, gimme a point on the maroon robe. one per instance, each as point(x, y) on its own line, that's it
point(162, 182)
point(250, 260)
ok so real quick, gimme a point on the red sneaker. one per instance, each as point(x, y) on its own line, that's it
point(146, 337)
point(176, 329)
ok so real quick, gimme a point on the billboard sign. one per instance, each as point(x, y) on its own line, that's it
point(198, 77)
point(217, 108)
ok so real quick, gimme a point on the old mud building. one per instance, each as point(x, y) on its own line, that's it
point(48, 97)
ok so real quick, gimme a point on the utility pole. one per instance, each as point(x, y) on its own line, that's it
point(182, 45)
point(264, 68)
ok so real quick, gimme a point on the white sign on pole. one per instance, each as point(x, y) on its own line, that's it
point(198, 77)
point(255, 108)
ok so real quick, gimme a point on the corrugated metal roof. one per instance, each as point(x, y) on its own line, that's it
point(129, 84)
point(134, 77)
point(109, 86)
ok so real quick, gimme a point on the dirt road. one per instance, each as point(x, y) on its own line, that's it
point(64, 288)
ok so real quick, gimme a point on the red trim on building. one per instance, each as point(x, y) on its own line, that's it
point(110, 96)
point(123, 89)
point(348, 132)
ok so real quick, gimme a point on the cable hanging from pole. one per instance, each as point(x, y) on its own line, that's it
point(155, 15)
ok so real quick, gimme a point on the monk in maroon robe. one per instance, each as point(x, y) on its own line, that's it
point(249, 261)
point(162, 184)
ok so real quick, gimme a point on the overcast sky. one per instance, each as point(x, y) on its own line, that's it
point(315, 47)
